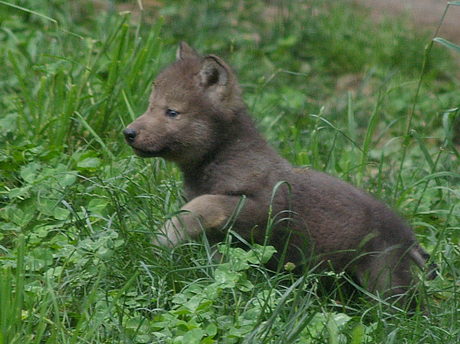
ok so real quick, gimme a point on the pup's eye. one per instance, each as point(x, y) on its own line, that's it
point(172, 113)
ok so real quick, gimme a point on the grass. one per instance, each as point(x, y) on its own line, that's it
point(372, 103)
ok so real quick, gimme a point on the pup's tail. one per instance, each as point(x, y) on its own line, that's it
point(420, 257)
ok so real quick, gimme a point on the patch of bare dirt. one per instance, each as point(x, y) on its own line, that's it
point(426, 14)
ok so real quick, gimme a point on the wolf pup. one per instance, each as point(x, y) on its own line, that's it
point(197, 119)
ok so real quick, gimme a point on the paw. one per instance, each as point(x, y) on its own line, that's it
point(170, 234)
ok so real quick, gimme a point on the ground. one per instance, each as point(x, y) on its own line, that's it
point(426, 13)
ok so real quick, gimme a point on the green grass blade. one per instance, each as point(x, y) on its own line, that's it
point(373, 122)
point(316, 160)
point(129, 107)
point(95, 136)
point(12, 298)
point(351, 118)
point(84, 321)
point(102, 317)
point(424, 150)
point(8, 314)
point(447, 44)
point(448, 122)
point(24, 87)
point(119, 53)
point(29, 11)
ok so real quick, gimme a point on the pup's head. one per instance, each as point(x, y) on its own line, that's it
point(193, 101)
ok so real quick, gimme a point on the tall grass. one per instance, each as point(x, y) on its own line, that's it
point(94, 76)
point(77, 211)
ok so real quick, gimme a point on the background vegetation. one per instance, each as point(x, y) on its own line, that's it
point(375, 103)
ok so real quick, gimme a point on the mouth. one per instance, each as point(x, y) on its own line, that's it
point(148, 153)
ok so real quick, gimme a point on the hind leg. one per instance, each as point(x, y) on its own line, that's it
point(389, 275)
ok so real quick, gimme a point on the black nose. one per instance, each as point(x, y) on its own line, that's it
point(130, 135)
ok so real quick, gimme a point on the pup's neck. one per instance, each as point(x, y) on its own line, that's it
point(235, 143)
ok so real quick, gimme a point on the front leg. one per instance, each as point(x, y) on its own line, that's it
point(205, 213)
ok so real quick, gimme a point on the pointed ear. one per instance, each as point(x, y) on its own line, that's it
point(213, 72)
point(185, 52)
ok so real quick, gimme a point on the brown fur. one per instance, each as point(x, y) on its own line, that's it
point(223, 157)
